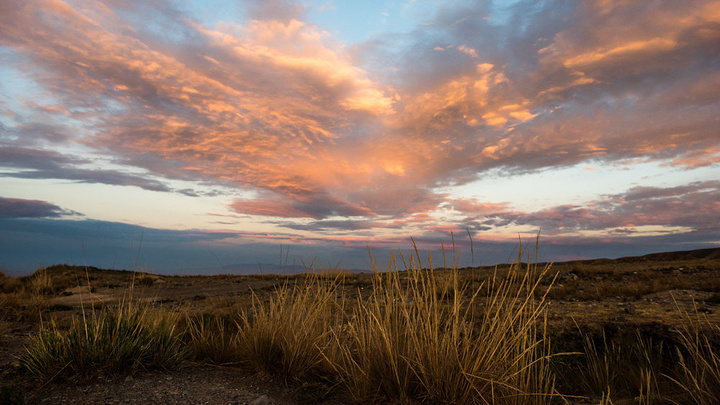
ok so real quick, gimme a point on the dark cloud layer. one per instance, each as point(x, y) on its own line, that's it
point(19, 208)
point(30, 244)
point(693, 206)
point(44, 164)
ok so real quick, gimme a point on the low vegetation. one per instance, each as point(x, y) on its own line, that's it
point(407, 332)
point(122, 340)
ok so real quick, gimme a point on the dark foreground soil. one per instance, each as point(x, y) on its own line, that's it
point(191, 384)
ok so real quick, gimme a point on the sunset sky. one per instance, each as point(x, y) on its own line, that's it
point(211, 136)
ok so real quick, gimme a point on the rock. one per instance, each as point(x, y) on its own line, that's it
point(261, 400)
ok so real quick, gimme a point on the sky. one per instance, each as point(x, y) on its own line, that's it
point(189, 136)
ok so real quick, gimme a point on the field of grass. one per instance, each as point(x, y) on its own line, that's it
point(640, 331)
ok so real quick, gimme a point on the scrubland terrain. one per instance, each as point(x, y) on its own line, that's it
point(642, 330)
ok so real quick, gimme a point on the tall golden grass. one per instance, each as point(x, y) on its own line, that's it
point(288, 335)
point(413, 340)
point(699, 360)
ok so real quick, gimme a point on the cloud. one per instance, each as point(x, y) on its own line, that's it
point(638, 211)
point(306, 203)
point(274, 106)
point(280, 10)
point(29, 244)
point(19, 208)
point(240, 104)
point(332, 225)
point(42, 164)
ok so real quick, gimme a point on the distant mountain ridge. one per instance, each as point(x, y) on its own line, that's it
point(696, 254)
point(269, 268)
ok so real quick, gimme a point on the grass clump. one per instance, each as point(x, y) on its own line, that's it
point(698, 356)
point(9, 284)
point(627, 369)
point(117, 341)
point(410, 340)
point(213, 339)
point(288, 335)
point(145, 280)
point(41, 283)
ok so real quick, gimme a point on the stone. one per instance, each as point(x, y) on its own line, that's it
point(261, 400)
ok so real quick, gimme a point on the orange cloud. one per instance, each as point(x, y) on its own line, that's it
point(276, 107)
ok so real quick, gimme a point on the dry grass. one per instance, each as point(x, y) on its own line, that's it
point(631, 369)
point(41, 283)
point(213, 339)
point(699, 361)
point(117, 341)
point(602, 281)
point(288, 335)
point(9, 284)
point(407, 342)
